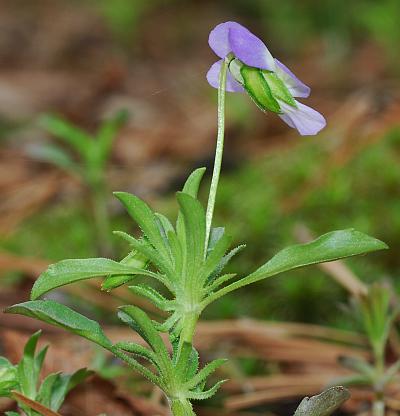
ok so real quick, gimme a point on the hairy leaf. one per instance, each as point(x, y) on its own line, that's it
point(74, 270)
point(331, 246)
point(60, 315)
point(147, 221)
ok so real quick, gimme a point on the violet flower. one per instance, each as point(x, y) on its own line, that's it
point(270, 84)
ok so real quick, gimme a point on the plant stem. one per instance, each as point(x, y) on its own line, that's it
point(182, 408)
point(101, 218)
point(218, 151)
point(378, 406)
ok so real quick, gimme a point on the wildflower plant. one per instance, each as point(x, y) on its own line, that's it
point(376, 312)
point(187, 257)
point(21, 382)
point(85, 157)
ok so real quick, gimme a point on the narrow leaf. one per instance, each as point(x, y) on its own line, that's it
point(145, 218)
point(331, 246)
point(75, 270)
point(195, 231)
point(60, 315)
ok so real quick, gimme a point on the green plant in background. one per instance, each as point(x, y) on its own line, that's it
point(93, 153)
point(22, 382)
point(376, 312)
point(188, 258)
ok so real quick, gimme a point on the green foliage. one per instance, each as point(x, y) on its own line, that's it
point(176, 257)
point(22, 381)
point(376, 313)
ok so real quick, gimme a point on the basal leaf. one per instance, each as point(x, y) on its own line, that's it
point(60, 315)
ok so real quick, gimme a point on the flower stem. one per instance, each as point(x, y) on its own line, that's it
point(218, 151)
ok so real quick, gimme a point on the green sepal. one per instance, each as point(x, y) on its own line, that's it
point(278, 88)
point(257, 87)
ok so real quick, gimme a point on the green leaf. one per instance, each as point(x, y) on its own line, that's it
point(133, 259)
point(78, 139)
point(74, 270)
point(147, 221)
point(192, 183)
point(8, 377)
point(215, 257)
point(46, 389)
point(191, 188)
point(202, 375)
point(60, 315)
point(143, 247)
point(141, 323)
point(195, 232)
point(138, 350)
point(64, 384)
point(29, 367)
point(108, 133)
point(224, 262)
point(205, 394)
point(55, 155)
point(34, 405)
point(153, 296)
point(331, 246)
point(358, 365)
point(323, 404)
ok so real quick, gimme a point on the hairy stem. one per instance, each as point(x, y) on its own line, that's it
point(218, 151)
point(182, 408)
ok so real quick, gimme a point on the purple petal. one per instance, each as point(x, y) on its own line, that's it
point(294, 85)
point(305, 119)
point(213, 78)
point(232, 37)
